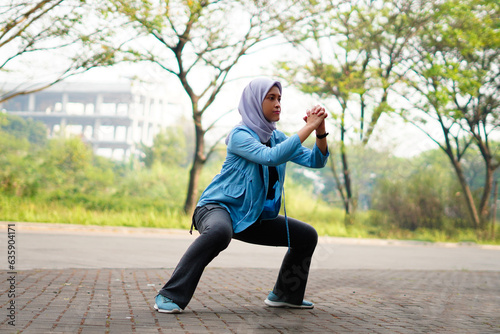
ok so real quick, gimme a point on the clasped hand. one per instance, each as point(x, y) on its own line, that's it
point(316, 117)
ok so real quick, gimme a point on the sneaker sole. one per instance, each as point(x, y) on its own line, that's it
point(284, 304)
point(174, 311)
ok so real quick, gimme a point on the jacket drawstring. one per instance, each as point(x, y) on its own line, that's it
point(192, 224)
point(286, 218)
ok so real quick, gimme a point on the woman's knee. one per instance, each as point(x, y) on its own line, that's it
point(220, 235)
point(311, 235)
point(215, 226)
point(305, 235)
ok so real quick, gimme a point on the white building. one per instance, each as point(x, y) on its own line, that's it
point(113, 118)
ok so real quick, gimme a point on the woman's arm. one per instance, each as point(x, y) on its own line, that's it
point(321, 143)
point(245, 145)
point(314, 119)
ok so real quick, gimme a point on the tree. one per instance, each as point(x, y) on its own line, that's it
point(64, 33)
point(353, 55)
point(454, 82)
point(29, 163)
point(199, 42)
point(169, 148)
point(68, 168)
point(14, 165)
point(34, 132)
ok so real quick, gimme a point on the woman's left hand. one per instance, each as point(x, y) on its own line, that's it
point(317, 110)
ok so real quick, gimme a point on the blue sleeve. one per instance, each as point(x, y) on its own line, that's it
point(243, 144)
point(312, 158)
point(306, 157)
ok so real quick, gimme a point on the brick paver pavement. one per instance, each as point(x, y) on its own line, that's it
point(230, 300)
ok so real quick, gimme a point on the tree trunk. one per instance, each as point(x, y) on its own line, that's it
point(347, 181)
point(469, 199)
point(197, 166)
point(339, 185)
point(345, 165)
point(491, 166)
point(494, 216)
point(484, 212)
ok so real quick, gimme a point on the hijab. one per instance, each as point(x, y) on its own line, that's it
point(250, 108)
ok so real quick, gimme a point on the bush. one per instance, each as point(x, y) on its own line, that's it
point(18, 167)
point(411, 204)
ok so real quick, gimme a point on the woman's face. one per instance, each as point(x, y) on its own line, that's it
point(271, 106)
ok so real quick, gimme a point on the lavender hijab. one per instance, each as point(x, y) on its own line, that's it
point(250, 108)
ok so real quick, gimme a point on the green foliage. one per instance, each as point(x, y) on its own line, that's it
point(169, 148)
point(160, 182)
point(411, 206)
point(29, 164)
point(427, 197)
point(457, 61)
point(353, 55)
point(20, 128)
point(454, 76)
point(20, 143)
point(16, 166)
point(67, 167)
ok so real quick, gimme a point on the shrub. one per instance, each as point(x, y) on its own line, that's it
point(412, 203)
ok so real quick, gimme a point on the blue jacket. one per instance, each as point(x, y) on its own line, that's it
point(241, 188)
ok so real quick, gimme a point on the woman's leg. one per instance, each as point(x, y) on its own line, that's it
point(292, 279)
point(215, 227)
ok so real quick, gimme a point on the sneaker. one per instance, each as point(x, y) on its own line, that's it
point(273, 301)
point(166, 305)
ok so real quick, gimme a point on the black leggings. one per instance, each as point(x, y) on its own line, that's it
point(216, 231)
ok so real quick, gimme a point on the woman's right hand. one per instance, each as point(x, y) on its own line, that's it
point(315, 116)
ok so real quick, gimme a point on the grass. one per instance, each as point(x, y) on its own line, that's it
point(40, 210)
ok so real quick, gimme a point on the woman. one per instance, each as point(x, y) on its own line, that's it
point(243, 201)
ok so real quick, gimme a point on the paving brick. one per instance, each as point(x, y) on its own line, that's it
point(230, 300)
